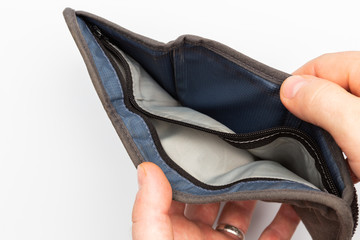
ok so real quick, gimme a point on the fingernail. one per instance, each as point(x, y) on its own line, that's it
point(141, 173)
point(292, 85)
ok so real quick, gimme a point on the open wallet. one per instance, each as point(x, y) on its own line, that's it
point(211, 118)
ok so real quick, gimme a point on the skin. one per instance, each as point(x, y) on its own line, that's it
point(325, 92)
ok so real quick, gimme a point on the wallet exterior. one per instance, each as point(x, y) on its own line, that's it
point(326, 215)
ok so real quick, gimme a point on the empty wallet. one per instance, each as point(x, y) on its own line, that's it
point(211, 118)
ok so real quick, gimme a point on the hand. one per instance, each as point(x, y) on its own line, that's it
point(326, 93)
point(157, 217)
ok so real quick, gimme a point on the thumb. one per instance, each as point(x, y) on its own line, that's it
point(327, 105)
point(150, 213)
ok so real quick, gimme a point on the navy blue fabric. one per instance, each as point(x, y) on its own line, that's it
point(143, 139)
point(217, 87)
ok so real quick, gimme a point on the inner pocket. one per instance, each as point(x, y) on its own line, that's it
point(213, 161)
point(152, 98)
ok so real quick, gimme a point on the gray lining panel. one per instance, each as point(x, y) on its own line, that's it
point(215, 162)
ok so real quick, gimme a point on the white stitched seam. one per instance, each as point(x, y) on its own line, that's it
point(259, 139)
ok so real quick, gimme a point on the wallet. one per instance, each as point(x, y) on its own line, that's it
point(211, 118)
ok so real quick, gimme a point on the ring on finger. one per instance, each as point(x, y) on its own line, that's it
point(231, 230)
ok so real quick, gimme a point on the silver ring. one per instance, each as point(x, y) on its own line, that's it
point(232, 230)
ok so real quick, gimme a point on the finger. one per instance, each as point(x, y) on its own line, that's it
point(177, 208)
point(238, 214)
point(283, 226)
point(354, 178)
point(150, 213)
point(329, 106)
point(204, 213)
point(341, 68)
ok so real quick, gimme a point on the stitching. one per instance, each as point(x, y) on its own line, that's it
point(223, 191)
point(254, 140)
point(294, 134)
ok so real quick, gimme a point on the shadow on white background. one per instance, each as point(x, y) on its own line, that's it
point(64, 173)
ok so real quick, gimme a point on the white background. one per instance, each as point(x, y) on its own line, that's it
point(64, 173)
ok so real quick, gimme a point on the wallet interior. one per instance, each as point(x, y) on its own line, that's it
point(214, 120)
point(207, 157)
point(204, 155)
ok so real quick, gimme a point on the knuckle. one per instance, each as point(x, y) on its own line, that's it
point(353, 78)
point(318, 100)
point(319, 96)
point(272, 234)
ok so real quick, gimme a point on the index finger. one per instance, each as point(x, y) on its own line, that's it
point(341, 68)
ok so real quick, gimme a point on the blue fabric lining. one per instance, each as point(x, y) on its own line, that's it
point(247, 102)
point(142, 137)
